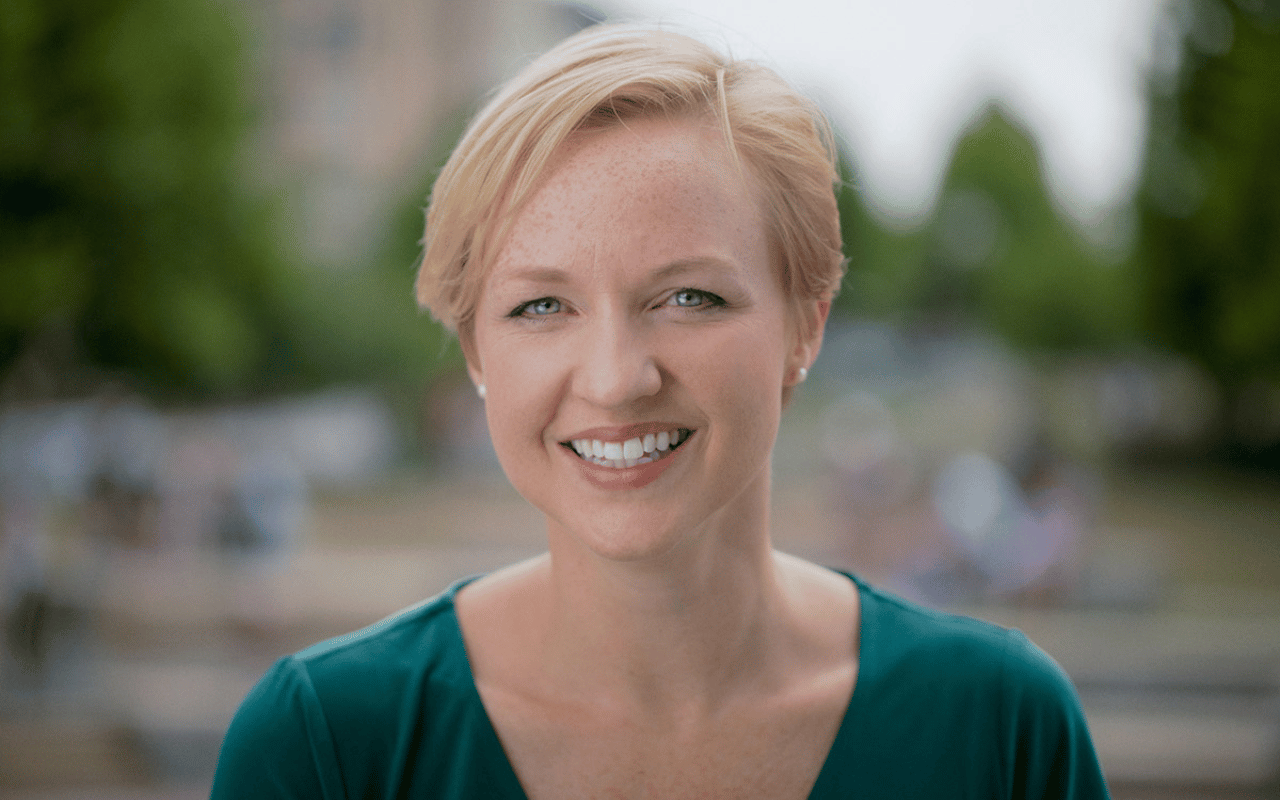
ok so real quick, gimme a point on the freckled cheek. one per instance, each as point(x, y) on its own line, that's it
point(523, 455)
point(522, 361)
point(522, 391)
point(738, 378)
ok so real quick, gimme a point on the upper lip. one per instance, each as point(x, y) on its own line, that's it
point(621, 433)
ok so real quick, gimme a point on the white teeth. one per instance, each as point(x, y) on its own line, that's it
point(621, 455)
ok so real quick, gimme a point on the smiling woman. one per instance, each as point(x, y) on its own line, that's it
point(663, 312)
point(637, 244)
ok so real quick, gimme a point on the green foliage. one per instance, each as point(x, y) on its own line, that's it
point(995, 253)
point(422, 341)
point(1210, 196)
point(123, 220)
point(886, 264)
point(135, 242)
point(1034, 279)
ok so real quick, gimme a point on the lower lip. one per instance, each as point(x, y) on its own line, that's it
point(627, 478)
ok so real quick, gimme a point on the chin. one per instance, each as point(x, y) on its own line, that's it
point(621, 540)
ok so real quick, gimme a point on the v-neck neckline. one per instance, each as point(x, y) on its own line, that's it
point(501, 774)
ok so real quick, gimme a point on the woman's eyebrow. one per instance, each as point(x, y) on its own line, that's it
point(698, 264)
point(551, 275)
point(558, 276)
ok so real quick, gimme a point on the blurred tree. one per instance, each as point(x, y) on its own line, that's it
point(995, 253)
point(135, 240)
point(1001, 246)
point(1210, 197)
point(399, 246)
point(886, 259)
point(129, 240)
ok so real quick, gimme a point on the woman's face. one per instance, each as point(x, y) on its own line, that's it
point(634, 341)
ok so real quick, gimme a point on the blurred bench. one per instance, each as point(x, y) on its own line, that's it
point(1180, 705)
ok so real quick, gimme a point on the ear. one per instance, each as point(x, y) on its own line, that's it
point(810, 323)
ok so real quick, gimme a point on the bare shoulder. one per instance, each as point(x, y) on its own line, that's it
point(826, 600)
point(809, 574)
point(507, 583)
point(825, 625)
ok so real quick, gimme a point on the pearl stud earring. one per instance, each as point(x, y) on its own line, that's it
point(804, 373)
point(480, 390)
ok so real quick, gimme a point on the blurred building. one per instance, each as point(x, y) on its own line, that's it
point(358, 94)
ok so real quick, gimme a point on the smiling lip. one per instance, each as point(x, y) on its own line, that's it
point(626, 457)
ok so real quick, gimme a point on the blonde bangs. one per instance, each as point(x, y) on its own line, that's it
point(604, 76)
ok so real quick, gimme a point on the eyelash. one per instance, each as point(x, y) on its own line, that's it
point(709, 300)
point(519, 311)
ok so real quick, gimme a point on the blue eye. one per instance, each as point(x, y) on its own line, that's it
point(542, 307)
point(694, 298)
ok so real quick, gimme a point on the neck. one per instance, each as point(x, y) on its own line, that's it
point(676, 633)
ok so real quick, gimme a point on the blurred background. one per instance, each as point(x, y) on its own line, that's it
point(1050, 392)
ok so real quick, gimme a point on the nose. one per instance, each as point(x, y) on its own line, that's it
point(617, 365)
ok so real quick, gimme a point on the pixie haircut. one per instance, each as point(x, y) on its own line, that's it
point(604, 76)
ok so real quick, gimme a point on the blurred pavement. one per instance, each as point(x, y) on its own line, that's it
point(1183, 696)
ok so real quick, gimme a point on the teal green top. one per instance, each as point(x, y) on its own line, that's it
point(944, 707)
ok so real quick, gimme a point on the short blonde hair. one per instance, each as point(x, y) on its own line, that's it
point(605, 75)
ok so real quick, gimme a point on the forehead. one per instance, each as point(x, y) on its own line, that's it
point(644, 182)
